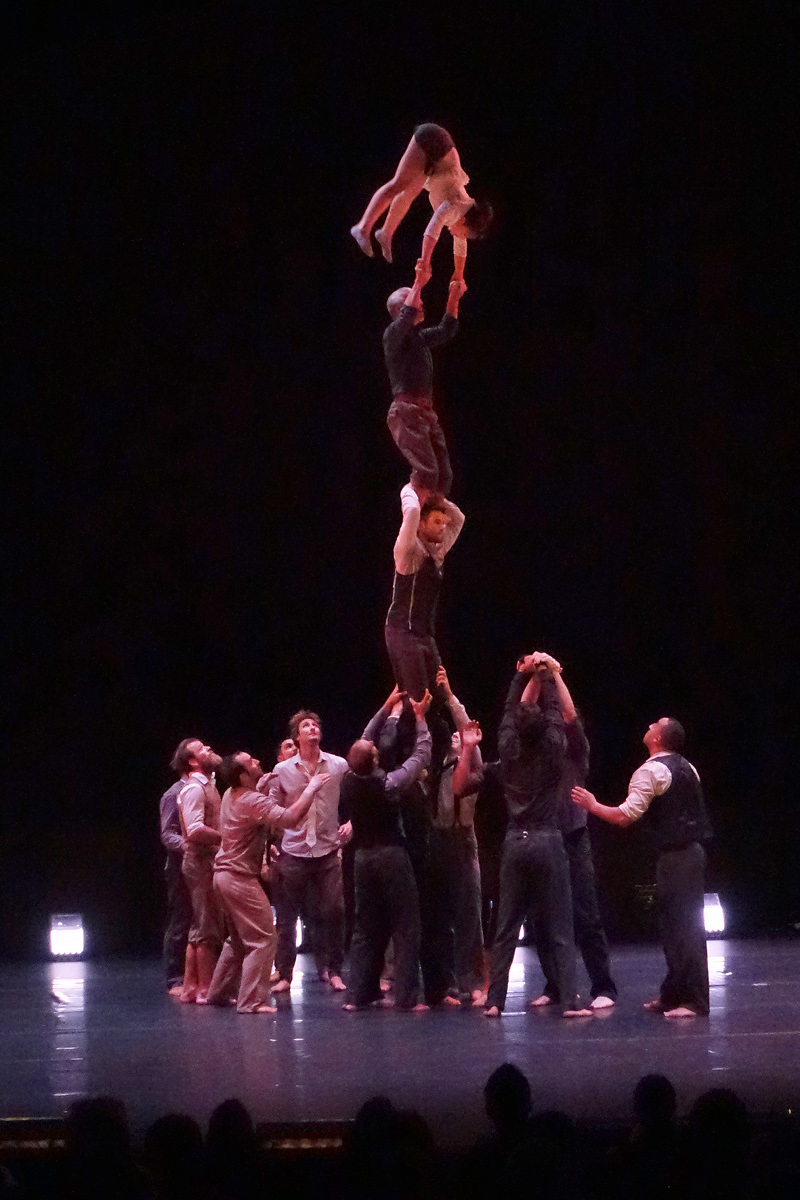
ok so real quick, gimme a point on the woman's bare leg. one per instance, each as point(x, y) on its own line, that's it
point(409, 170)
point(397, 210)
point(189, 993)
point(206, 961)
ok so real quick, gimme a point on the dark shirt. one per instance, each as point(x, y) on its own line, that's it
point(171, 833)
point(407, 350)
point(532, 772)
point(371, 802)
point(571, 817)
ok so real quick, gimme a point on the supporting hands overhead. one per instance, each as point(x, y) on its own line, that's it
point(471, 735)
point(539, 661)
point(443, 682)
point(421, 707)
point(394, 697)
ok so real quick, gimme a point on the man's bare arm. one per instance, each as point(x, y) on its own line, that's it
point(407, 537)
point(614, 816)
point(468, 772)
point(456, 291)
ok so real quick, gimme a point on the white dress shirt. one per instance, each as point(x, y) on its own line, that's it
point(651, 779)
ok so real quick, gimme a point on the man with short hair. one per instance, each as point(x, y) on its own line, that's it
point(308, 872)
point(534, 871)
point(246, 816)
point(427, 533)
point(589, 932)
point(387, 905)
point(198, 806)
point(453, 881)
point(667, 792)
point(179, 903)
point(412, 419)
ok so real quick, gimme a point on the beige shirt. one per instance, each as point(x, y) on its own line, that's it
point(319, 833)
point(409, 551)
point(651, 779)
point(245, 823)
point(198, 803)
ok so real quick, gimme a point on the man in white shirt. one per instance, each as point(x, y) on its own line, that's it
point(666, 790)
point(307, 877)
point(427, 533)
point(198, 805)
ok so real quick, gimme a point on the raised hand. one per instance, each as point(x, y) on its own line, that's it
point(264, 781)
point(528, 663)
point(457, 286)
point(422, 272)
point(471, 735)
point(443, 682)
point(420, 707)
point(547, 661)
point(394, 697)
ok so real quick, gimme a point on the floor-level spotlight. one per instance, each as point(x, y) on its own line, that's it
point(66, 935)
point(713, 916)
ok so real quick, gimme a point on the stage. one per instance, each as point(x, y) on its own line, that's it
point(116, 1031)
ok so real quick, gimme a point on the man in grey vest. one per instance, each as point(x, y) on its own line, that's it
point(666, 790)
point(427, 533)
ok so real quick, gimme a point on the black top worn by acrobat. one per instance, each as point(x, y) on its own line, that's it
point(532, 762)
point(407, 350)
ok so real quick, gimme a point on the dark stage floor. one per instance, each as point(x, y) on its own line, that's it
point(119, 1033)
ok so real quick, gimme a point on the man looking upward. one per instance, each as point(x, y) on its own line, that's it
point(411, 418)
point(427, 533)
point(666, 790)
point(308, 873)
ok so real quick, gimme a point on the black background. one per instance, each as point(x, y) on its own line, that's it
point(204, 490)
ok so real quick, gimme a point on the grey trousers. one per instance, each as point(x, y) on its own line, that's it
point(680, 877)
point(250, 946)
point(207, 923)
point(453, 912)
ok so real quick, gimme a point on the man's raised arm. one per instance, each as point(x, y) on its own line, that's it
point(454, 527)
point(420, 757)
point(407, 537)
point(373, 729)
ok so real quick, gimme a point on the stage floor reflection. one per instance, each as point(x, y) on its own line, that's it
point(76, 1029)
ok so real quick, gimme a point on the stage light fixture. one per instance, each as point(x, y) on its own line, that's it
point(713, 916)
point(66, 935)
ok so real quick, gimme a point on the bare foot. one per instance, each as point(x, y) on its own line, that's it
point(384, 243)
point(680, 1011)
point(362, 240)
point(283, 985)
point(350, 1007)
point(653, 1006)
point(266, 1008)
point(494, 1011)
point(384, 1002)
point(188, 995)
point(577, 1012)
point(602, 1002)
point(324, 976)
point(418, 1008)
point(337, 983)
point(202, 998)
point(177, 990)
point(478, 998)
point(451, 1001)
point(541, 1001)
point(386, 985)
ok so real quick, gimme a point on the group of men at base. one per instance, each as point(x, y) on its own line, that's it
point(404, 813)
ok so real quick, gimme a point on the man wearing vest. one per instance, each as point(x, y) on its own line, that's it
point(198, 805)
point(426, 535)
point(387, 905)
point(667, 790)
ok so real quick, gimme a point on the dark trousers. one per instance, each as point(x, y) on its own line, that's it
point(589, 933)
point(179, 920)
point(311, 887)
point(419, 438)
point(453, 914)
point(680, 878)
point(415, 661)
point(387, 907)
point(534, 879)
